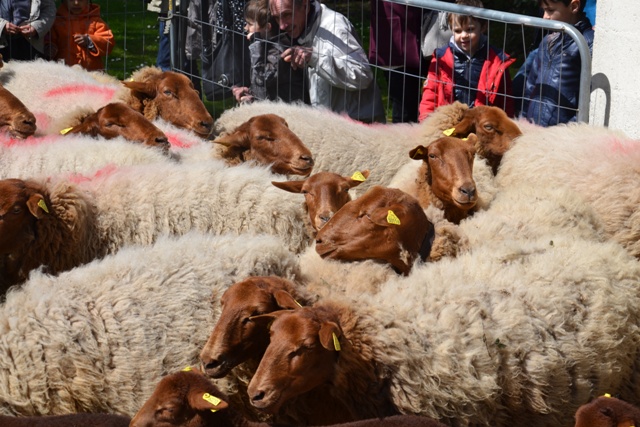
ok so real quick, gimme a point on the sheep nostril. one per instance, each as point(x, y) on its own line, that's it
point(307, 159)
point(162, 140)
point(468, 191)
point(258, 396)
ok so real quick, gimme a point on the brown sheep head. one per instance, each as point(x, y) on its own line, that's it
point(185, 398)
point(266, 139)
point(15, 117)
point(447, 175)
point(494, 129)
point(606, 411)
point(384, 224)
point(236, 337)
point(313, 338)
point(118, 119)
point(172, 97)
point(324, 193)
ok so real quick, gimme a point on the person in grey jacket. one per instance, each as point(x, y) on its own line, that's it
point(325, 43)
point(23, 26)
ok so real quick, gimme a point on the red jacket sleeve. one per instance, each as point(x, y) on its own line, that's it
point(429, 91)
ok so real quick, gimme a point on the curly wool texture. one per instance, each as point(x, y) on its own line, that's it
point(58, 89)
point(516, 334)
point(100, 337)
point(136, 205)
point(80, 154)
point(339, 144)
point(599, 164)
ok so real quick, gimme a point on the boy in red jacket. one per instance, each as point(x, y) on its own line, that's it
point(468, 69)
point(79, 35)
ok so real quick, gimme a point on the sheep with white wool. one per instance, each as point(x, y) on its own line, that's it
point(82, 154)
point(61, 88)
point(61, 224)
point(98, 338)
point(515, 334)
point(599, 164)
point(341, 145)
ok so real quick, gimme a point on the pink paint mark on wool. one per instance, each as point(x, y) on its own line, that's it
point(43, 120)
point(176, 142)
point(109, 169)
point(106, 92)
point(625, 146)
point(8, 141)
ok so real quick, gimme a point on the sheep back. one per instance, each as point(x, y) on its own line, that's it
point(100, 337)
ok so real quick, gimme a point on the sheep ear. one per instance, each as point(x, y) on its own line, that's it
point(290, 186)
point(145, 88)
point(472, 138)
point(37, 205)
point(330, 334)
point(239, 138)
point(285, 300)
point(418, 153)
point(268, 318)
point(388, 216)
point(357, 178)
point(205, 401)
point(467, 124)
point(88, 125)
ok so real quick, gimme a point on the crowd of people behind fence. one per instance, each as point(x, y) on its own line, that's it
point(428, 58)
point(303, 51)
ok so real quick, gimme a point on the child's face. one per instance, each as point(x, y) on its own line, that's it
point(77, 7)
point(559, 12)
point(467, 34)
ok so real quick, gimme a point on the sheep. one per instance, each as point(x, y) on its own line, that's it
point(71, 420)
point(266, 139)
point(382, 149)
point(324, 193)
point(383, 224)
point(15, 118)
point(118, 119)
point(597, 163)
point(75, 153)
point(57, 224)
point(187, 398)
point(98, 338)
point(606, 411)
point(516, 334)
point(445, 178)
point(152, 92)
point(499, 132)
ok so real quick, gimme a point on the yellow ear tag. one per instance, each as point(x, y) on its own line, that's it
point(65, 131)
point(392, 218)
point(187, 369)
point(43, 205)
point(418, 151)
point(357, 176)
point(449, 132)
point(464, 139)
point(299, 305)
point(211, 399)
point(336, 343)
point(607, 395)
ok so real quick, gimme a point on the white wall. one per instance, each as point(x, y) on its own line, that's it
point(615, 97)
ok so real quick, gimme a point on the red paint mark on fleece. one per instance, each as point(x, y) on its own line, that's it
point(8, 141)
point(626, 146)
point(106, 92)
point(176, 142)
point(105, 171)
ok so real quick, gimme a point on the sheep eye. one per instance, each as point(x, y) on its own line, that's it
point(432, 156)
point(16, 210)
point(265, 138)
point(488, 127)
point(165, 413)
point(168, 92)
point(246, 320)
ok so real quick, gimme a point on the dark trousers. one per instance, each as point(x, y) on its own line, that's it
point(405, 88)
point(19, 48)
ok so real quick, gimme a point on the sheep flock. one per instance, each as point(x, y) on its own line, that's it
point(115, 258)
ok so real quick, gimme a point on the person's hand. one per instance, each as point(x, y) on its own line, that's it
point(241, 94)
point(298, 56)
point(12, 28)
point(81, 40)
point(28, 31)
